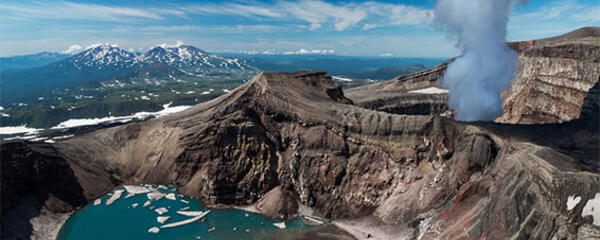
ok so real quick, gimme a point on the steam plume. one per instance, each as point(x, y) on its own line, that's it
point(486, 66)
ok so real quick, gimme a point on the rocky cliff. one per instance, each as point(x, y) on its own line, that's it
point(282, 139)
point(553, 77)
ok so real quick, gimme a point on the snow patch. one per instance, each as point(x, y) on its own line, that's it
point(430, 90)
point(572, 201)
point(139, 115)
point(592, 208)
point(342, 79)
point(18, 129)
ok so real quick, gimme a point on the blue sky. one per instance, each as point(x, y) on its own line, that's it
point(362, 28)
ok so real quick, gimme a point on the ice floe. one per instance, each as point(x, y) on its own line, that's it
point(190, 213)
point(147, 203)
point(155, 195)
point(184, 201)
point(162, 219)
point(116, 195)
point(161, 210)
point(136, 189)
point(280, 225)
point(187, 221)
point(134, 205)
point(154, 230)
point(97, 201)
point(171, 196)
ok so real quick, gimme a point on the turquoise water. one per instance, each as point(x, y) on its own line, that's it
point(121, 220)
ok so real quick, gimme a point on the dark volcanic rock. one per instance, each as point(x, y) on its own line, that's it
point(298, 133)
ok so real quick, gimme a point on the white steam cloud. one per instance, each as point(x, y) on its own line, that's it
point(486, 66)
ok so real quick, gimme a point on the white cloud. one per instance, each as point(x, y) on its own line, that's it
point(556, 17)
point(318, 13)
point(314, 51)
point(73, 49)
point(314, 26)
point(70, 10)
point(368, 26)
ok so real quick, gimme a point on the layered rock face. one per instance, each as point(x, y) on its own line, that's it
point(283, 139)
point(553, 77)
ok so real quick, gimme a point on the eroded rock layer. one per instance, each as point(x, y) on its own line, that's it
point(553, 77)
point(283, 139)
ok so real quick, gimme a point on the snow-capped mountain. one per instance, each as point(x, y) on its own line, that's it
point(105, 62)
point(191, 59)
point(102, 56)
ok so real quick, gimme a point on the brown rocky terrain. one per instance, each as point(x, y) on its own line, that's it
point(281, 140)
point(552, 80)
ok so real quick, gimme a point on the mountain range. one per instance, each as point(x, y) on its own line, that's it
point(103, 62)
point(29, 61)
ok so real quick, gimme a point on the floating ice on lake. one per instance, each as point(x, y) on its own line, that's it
point(136, 189)
point(171, 196)
point(154, 230)
point(161, 210)
point(190, 213)
point(155, 195)
point(280, 225)
point(187, 221)
point(162, 219)
point(134, 205)
point(116, 195)
point(147, 203)
point(98, 201)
